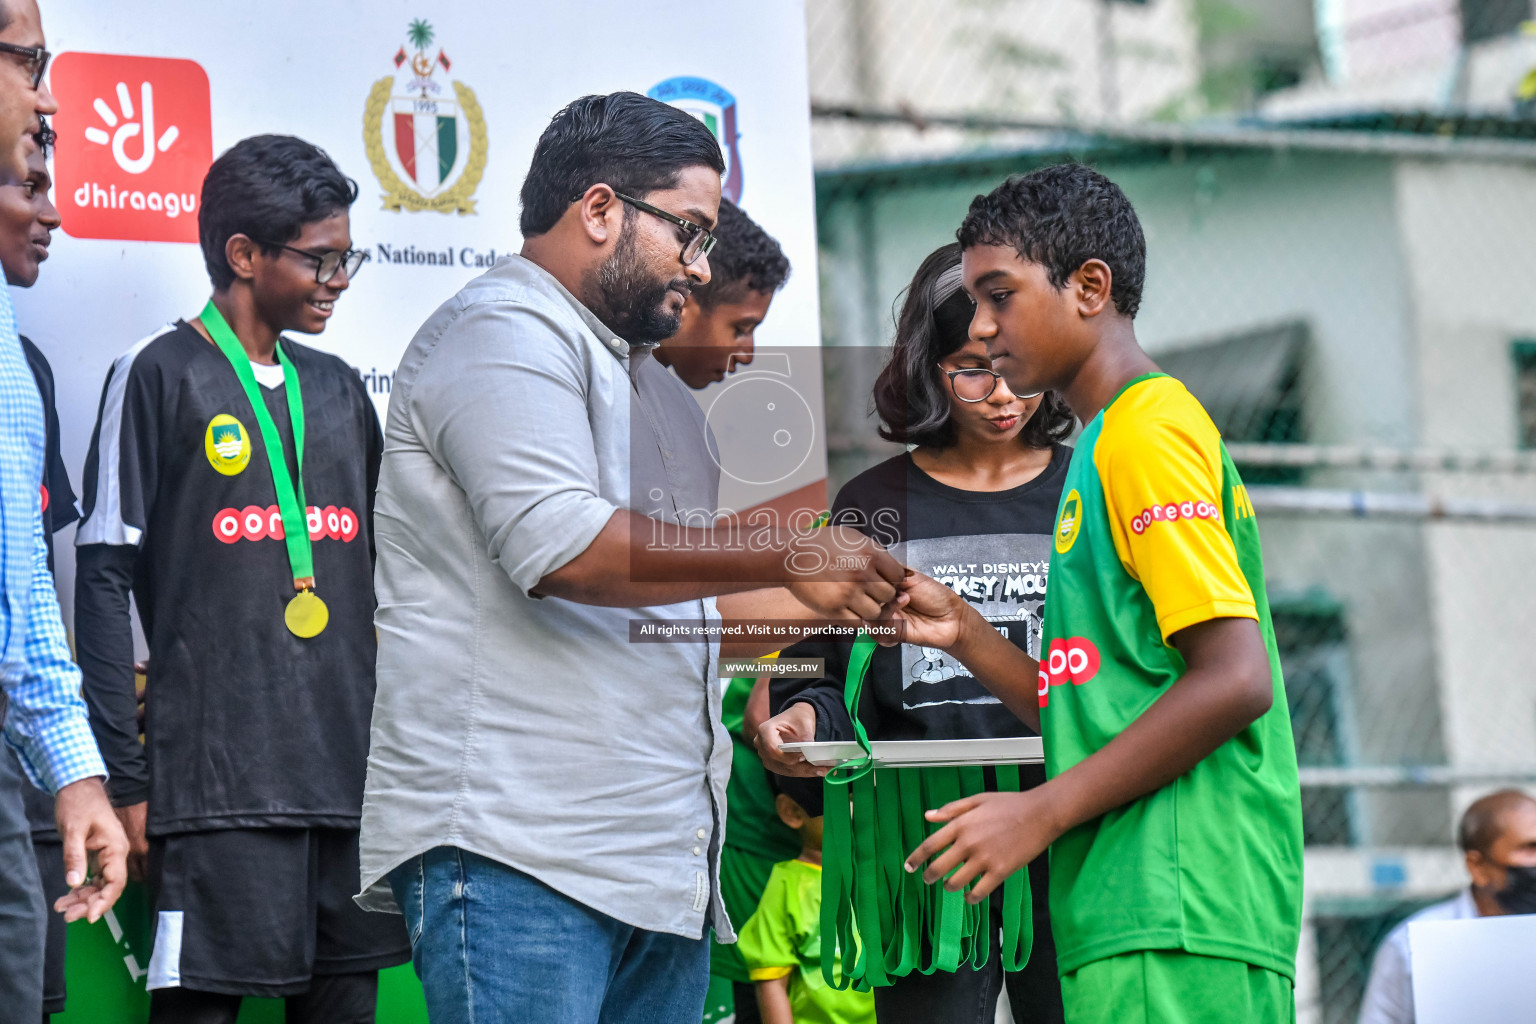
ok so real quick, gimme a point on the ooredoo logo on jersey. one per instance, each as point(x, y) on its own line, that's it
point(135, 141)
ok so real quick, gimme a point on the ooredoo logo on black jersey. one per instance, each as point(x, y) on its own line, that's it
point(253, 522)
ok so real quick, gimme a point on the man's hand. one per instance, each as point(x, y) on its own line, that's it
point(91, 832)
point(839, 573)
point(988, 837)
point(795, 724)
point(133, 818)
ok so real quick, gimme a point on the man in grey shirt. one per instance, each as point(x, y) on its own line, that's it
point(545, 797)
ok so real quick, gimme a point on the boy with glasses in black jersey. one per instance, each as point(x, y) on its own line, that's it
point(229, 489)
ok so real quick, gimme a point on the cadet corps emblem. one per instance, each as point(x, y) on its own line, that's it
point(1069, 522)
point(717, 109)
point(436, 145)
point(227, 445)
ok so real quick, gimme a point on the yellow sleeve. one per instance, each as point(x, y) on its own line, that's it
point(1161, 471)
point(767, 941)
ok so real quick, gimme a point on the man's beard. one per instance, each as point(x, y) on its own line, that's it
point(630, 301)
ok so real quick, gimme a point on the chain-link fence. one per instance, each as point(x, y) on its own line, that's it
point(1340, 205)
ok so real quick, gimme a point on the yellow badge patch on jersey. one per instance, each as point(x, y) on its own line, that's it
point(1070, 522)
point(227, 445)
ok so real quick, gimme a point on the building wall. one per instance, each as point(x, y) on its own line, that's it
point(1468, 233)
point(1018, 57)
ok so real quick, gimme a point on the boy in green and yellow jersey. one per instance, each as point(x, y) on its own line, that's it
point(1172, 811)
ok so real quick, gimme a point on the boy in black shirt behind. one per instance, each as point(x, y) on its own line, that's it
point(230, 489)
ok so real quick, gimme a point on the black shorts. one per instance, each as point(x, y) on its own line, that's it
point(258, 912)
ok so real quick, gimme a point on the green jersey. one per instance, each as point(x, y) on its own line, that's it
point(1155, 533)
point(755, 838)
point(783, 939)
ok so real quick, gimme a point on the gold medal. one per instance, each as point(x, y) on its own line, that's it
point(306, 615)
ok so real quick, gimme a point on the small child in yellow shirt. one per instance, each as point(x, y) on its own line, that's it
point(781, 942)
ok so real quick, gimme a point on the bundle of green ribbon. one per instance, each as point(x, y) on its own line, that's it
point(886, 921)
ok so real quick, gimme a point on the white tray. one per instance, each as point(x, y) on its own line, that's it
point(927, 753)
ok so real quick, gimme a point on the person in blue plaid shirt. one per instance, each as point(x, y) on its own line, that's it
point(45, 721)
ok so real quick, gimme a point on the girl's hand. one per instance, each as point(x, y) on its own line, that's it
point(795, 724)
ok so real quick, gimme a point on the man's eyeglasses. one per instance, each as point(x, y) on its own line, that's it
point(37, 59)
point(976, 384)
point(326, 266)
point(700, 241)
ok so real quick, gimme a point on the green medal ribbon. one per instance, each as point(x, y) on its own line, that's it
point(305, 615)
point(887, 922)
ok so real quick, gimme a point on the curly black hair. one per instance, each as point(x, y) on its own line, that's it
point(635, 144)
point(1060, 217)
point(746, 258)
point(910, 394)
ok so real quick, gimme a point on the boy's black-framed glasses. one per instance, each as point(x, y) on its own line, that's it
point(36, 57)
point(326, 266)
point(975, 384)
point(700, 241)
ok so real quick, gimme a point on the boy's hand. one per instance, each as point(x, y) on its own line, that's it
point(988, 837)
point(795, 724)
point(1226, 686)
point(134, 819)
point(933, 613)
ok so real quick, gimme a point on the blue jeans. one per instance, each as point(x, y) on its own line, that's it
point(492, 945)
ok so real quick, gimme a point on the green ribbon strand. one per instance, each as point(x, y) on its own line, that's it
point(886, 921)
point(290, 490)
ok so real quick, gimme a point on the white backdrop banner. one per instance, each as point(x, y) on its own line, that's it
point(433, 107)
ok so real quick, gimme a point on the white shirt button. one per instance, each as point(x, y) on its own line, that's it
point(701, 834)
point(697, 850)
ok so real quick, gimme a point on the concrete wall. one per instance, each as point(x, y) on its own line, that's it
point(1469, 235)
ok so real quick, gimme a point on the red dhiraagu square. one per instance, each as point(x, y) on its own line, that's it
point(135, 141)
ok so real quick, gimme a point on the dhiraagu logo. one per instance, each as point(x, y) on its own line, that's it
point(1069, 521)
point(135, 142)
point(227, 445)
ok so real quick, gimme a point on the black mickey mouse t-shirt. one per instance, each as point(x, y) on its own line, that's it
point(991, 547)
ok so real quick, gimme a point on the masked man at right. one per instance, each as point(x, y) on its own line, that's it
point(1498, 836)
